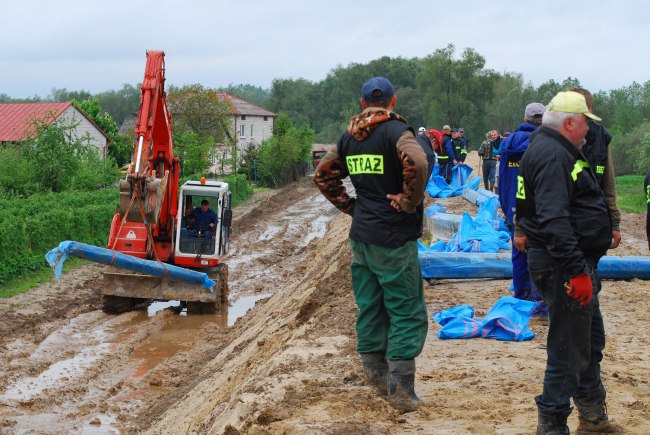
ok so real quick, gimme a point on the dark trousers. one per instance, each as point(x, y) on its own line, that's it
point(576, 339)
point(444, 169)
point(489, 174)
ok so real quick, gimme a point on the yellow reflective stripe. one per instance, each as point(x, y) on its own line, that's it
point(647, 193)
point(600, 169)
point(463, 151)
point(521, 192)
point(365, 164)
point(577, 168)
point(442, 157)
point(582, 163)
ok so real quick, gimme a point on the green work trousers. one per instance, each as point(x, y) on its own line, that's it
point(388, 290)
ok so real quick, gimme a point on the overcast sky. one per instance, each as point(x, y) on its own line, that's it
point(99, 45)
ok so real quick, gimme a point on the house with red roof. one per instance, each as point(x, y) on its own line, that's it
point(17, 122)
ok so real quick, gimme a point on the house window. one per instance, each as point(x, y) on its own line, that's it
point(266, 118)
point(251, 130)
point(243, 117)
point(242, 130)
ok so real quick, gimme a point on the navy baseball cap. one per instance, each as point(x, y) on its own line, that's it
point(377, 89)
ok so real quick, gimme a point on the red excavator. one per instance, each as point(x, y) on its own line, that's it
point(156, 219)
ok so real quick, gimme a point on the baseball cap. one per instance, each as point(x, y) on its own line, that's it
point(571, 102)
point(460, 129)
point(377, 89)
point(446, 128)
point(534, 110)
point(421, 129)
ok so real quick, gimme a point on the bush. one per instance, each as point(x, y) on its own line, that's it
point(31, 227)
point(240, 188)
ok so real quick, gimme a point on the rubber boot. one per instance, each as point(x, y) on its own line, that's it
point(594, 419)
point(552, 424)
point(401, 391)
point(375, 371)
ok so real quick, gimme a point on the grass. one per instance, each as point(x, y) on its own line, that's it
point(630, 197)
point(22, 284)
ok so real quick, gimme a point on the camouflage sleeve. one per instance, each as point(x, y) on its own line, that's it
point(414, 172)
point(328, 175)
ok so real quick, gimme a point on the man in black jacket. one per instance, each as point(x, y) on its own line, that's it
point(565, 216)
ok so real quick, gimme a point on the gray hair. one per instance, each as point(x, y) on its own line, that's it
point(554, 119)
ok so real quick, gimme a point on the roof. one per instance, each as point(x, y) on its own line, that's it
point(243, 107)
point(17, 118)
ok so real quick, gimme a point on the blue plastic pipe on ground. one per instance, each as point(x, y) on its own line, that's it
point(458, 265)
point(57, 256)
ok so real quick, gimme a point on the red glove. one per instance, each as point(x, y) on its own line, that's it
point(580, 288)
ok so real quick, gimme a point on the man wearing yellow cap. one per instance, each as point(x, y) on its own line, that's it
point(565, 216)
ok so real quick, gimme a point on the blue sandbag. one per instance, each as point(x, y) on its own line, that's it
point(624, 268)
point(57, 256)
point(473, 196)
point(437, 187)
point(507, 321)
point(434, 208)
point(457, 265)
point(445, 316)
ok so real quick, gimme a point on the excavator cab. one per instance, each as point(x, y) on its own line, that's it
point(199, 244)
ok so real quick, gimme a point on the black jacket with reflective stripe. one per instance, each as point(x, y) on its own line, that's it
point(595, 150)
point(560, 205)
point(376, 171)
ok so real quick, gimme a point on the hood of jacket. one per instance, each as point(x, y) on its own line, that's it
point(517, 143)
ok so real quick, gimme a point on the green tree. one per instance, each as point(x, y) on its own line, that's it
point(63, 95)
point(456, 91)
point(121, 104)
point(201, 111)
point(284, 155)
point(193, 153)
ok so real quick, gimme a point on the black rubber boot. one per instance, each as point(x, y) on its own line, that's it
point(375, 370)
point(552, 424)
point(594, 419)
point(401, 391)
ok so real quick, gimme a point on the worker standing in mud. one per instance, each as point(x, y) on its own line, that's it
point(565, 216)
point(388, 169)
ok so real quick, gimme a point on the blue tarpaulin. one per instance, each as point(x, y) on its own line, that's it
point(437, 187)
point(507, 320)
point(57, 256)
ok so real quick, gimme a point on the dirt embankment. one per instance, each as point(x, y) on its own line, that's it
point(289, 365)
point(292, 367)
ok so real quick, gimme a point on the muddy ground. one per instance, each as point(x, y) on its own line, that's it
point(289, 364)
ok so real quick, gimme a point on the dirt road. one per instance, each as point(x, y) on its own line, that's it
point(289, 365)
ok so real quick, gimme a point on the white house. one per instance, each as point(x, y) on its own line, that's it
point(17, 122)
point(250, 123)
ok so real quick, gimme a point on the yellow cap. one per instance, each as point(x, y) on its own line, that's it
point(571, 102)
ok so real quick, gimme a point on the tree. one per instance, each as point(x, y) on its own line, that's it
point(121, 104)
point(284, 154)
point(201, 111)
point(456, 92)
point(193, 153)
point(63, 95)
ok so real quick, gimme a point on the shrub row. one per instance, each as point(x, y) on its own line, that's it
point(30, 227)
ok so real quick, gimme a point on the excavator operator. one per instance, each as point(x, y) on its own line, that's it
point(205, 220)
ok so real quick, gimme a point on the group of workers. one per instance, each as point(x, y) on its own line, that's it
point(447, 148)
point(557, 192)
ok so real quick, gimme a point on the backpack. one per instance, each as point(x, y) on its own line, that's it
point(436, 140)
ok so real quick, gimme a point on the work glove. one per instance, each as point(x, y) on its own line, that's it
point(580, 288)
